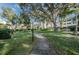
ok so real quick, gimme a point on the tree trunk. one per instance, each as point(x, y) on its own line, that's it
point(76, 29)
point(43, 25)
point(66, 25)
point(60, 24)
point(55, 28)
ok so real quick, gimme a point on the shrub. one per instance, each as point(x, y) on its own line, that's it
point(5, 34)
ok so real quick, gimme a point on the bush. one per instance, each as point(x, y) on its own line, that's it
point(72, 28)
point(5, 34)
point(44, 29)
point(1, 45)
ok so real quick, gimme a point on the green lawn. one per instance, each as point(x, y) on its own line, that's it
point(63, 43)
point(19, 44)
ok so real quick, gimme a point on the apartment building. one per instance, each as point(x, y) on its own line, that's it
point(69, 22)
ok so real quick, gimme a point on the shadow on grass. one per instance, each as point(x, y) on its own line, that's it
point(63, 43)
point(20, 44)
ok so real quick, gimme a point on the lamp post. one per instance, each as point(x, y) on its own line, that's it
point(32, 32)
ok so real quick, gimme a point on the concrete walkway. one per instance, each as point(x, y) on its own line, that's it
point(41, 45)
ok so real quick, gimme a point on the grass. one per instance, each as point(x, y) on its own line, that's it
point(63, 43)
point(19, 44)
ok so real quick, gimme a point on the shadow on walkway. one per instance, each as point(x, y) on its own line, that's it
point(41, 46)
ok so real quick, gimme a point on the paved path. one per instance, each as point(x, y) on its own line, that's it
point(41, 46)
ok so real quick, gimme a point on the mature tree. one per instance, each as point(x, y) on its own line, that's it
point(9, 15)
point(24, 15)
point(49, 11)
point(77, 18)
point(52, 11)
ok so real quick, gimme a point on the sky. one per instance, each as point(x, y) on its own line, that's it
point(14, 7)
